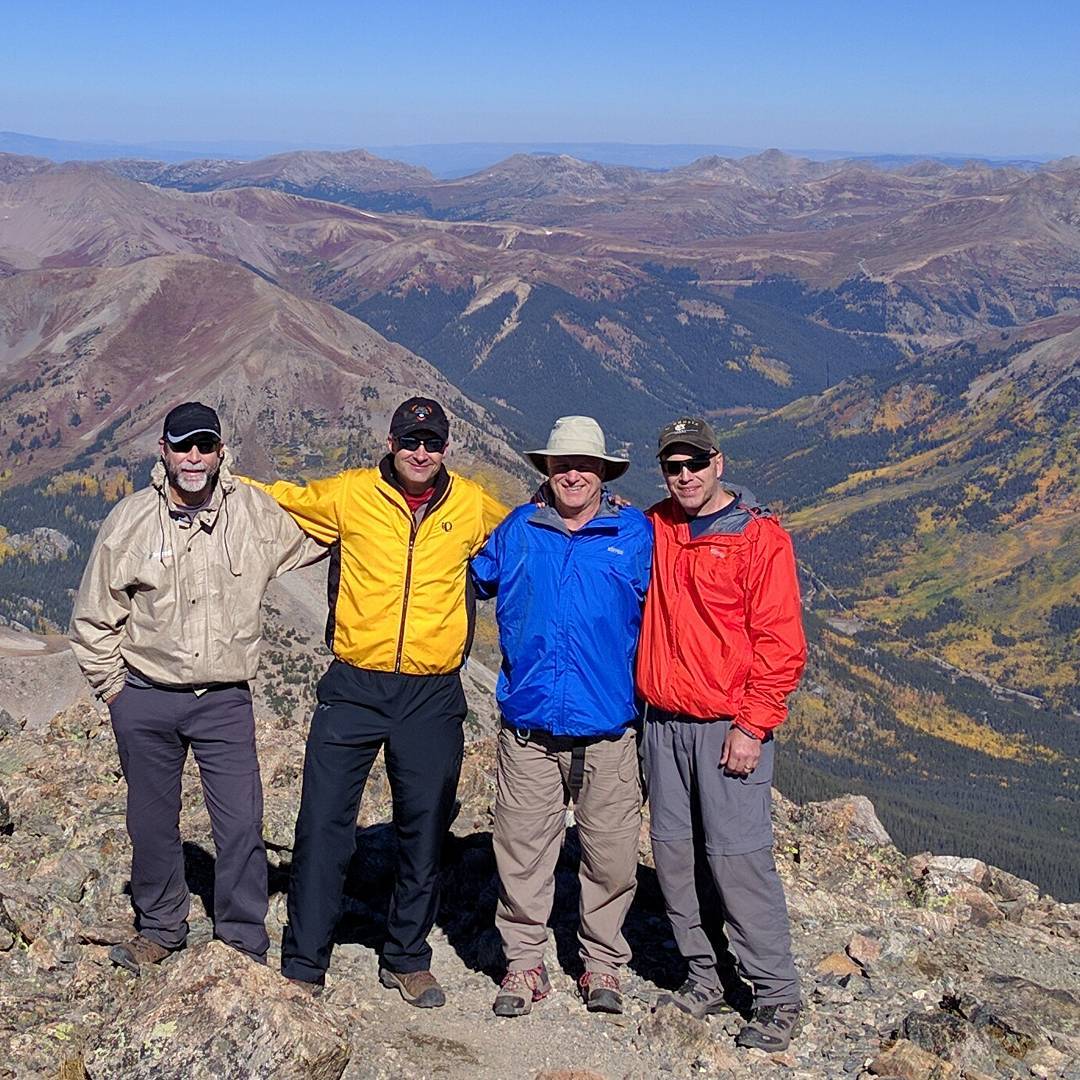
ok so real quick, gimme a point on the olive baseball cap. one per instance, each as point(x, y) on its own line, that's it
point(688, 431)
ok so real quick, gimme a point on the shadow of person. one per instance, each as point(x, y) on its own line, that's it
point(199, 874)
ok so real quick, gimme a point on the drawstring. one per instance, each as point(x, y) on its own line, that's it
point(161, 526)
point(225, 532)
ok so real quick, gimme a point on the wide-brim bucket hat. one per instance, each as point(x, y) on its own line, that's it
point(577, 436)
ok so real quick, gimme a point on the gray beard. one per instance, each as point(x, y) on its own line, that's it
point(176, 478)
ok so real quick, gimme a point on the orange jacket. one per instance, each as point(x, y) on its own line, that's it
point(722, 635)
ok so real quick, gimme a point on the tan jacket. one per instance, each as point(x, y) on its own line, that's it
point(179, 600)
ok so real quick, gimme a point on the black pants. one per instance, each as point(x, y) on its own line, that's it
point(154, 729)
point(418, 719)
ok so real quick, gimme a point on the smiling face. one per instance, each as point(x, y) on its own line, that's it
point(575, 484)
point(417, 468)
point(696, 486)
point(191, 467)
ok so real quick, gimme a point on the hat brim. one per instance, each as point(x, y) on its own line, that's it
point(614, 467)
point(169, 437)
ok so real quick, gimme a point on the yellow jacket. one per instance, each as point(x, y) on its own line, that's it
point(400, 595)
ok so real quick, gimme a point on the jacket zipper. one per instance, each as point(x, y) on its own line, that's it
point(405, 598)
point(414, 529)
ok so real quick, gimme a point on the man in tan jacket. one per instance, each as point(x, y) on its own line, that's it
point(166, 628)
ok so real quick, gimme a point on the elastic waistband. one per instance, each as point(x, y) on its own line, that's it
point(561, 742)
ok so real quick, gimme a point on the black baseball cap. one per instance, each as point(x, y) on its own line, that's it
point(191, 418)
point(419, 414)
point(688, 431)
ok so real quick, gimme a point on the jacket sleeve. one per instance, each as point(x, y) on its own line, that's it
point(102, 606)
point(295, 548)
point(314, 506)
point(492, 512)
point(485, 566)
point(774, 626)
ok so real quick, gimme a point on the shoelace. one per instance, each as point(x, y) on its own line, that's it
point(529, 979)
point(599, 980)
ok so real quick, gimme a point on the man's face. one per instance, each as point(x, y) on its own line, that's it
point(192, 465)
point(696, 484)
point(575, 483)
point(416, 459)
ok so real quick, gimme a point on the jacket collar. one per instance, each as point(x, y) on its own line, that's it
point(390, 477)
point(548, 517)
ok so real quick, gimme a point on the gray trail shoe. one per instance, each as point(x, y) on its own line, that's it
point(520, 990)
point(418, 988)
point(697, 1000)
point(138, 951)
point(771, 1029)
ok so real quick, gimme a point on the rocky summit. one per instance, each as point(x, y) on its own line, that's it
point(915, 967)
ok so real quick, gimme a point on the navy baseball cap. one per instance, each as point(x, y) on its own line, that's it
point(190, 419)
point(419, 414)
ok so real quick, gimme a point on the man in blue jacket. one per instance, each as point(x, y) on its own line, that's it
point(570, 576)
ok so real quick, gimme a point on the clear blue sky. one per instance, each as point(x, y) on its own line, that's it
point(986, 78)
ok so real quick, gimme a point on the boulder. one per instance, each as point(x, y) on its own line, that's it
point(214, 1013)
point(851, 817)
point(906, 1061)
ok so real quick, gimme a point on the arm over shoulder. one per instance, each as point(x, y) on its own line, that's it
point(314, 507)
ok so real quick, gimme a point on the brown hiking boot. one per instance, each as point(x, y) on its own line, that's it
point(520, 990)
point(138, 951)
point(419, 988)
point(601, 992)
point(771, 1029)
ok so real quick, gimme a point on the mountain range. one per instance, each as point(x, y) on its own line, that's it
point(891, 354)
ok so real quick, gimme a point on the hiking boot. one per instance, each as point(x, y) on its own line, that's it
point(697, 1000)
point(601, 992)
point(419, 988)
point(771, 1028)
point(520, 990)
point(138, 951)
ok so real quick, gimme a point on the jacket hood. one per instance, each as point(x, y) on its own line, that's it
point(225, 481)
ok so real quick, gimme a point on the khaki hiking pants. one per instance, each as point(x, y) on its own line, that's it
point(530, 820)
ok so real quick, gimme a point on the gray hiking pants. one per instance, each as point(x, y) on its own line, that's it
point(688, 792)
point(154, 728)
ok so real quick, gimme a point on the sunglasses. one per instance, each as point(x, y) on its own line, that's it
point(694, 464)
point(206, 444)
point(431, 443)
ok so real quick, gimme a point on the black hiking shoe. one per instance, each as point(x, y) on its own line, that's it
point(771, 1029)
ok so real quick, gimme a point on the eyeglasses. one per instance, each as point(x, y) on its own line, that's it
point(206, 444)
point(431, 443)
point(694, 464)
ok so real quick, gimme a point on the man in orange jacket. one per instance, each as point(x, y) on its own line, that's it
point(721, 648)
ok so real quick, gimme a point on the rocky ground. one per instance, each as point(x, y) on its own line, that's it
point(924, 967)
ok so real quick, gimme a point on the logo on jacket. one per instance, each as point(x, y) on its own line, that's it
point(447, 526)
point(615, 550)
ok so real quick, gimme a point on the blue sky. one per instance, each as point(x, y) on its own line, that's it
point(982, 78)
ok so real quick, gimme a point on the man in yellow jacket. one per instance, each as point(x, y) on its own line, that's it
point(400, 626)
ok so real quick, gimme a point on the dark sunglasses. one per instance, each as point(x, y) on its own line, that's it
point(694, 464)
point(431, 443)
point(206, 444)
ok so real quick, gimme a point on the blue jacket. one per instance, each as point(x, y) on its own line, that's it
point(569, 611)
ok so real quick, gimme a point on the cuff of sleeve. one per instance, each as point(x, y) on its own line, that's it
point(752, 730)
point(113, 686)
